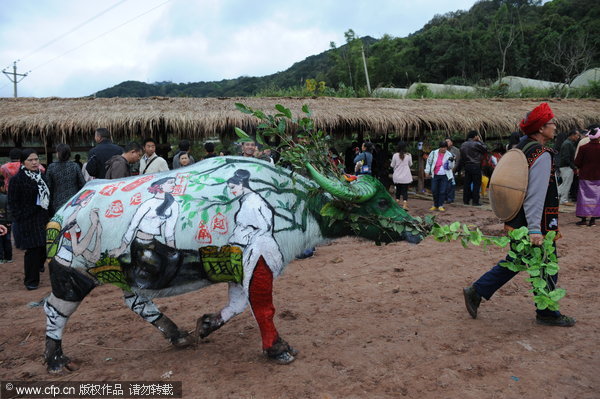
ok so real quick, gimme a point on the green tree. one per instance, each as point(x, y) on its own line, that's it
point(347, 61)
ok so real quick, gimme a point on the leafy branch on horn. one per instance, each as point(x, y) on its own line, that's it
point(307, 145)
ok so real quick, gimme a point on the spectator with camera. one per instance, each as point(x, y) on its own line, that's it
point(363, 161)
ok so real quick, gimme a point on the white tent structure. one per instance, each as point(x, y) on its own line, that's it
point(389, 92)
point(586, 77)
point(437, 88)
point(515, 83)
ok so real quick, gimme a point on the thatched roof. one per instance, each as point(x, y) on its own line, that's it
point(66, 118)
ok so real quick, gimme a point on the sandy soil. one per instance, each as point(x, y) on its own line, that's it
point(370, 322)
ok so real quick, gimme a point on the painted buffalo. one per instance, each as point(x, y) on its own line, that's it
point(226, 219)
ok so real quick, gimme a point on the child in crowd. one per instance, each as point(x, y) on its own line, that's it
point(5, 244)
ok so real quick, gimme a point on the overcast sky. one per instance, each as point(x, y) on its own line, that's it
point(73, 48)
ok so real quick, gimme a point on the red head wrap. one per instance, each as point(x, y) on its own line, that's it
point(537, 118)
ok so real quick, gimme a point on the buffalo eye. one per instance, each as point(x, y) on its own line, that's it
point(383, 203)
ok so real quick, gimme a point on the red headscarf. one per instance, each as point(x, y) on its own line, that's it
point(537, 118)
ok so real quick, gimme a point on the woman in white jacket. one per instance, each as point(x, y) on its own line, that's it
point(439, 166)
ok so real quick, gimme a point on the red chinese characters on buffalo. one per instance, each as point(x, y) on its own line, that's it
point(135, 184)
point(111, 188)
point(203, 236)
point(114, 210)
point(136, 199)
point(181, 182)
point(219, 223)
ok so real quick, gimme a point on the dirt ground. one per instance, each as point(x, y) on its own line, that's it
point(369, 322)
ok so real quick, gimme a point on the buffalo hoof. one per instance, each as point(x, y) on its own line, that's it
point(59, 365)
point(177, 337)
point(207, 324)
point(282, 358)
point(55, 359)
point(281, 352)
point(183, 340)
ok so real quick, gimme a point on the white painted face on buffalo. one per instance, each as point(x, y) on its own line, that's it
point(236, 189)
point(168, 186)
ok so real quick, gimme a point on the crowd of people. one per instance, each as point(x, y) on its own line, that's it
point(30, 194)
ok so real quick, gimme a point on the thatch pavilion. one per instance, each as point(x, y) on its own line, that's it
point(73, 120)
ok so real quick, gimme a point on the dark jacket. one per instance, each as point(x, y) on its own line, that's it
point(588, 161)
point(471, 153)
point(567, 154)
point(99, 155)
point(29, 219)
point(117, 167)
point(4, 218)
point(64, 181)
point(456, 154)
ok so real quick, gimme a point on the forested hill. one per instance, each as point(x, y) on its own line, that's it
point(313, 67)
point(553, 41)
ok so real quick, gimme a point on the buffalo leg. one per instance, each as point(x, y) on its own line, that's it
point(260, 295)
point(211, 322)
point(148, 311)
point(69, 287)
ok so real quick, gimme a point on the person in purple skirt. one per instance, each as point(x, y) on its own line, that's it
point(588, 164)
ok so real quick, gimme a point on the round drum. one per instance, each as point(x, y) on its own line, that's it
point(508, 184)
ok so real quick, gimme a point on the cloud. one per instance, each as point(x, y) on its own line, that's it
point(186, 40)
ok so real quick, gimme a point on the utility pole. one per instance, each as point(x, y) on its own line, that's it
point(362, 48)
point(14, 77)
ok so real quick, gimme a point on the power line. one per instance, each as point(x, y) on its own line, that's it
point(99, 36)
point(73, 29)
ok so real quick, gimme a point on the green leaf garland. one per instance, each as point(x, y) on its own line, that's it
point(539, 262)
